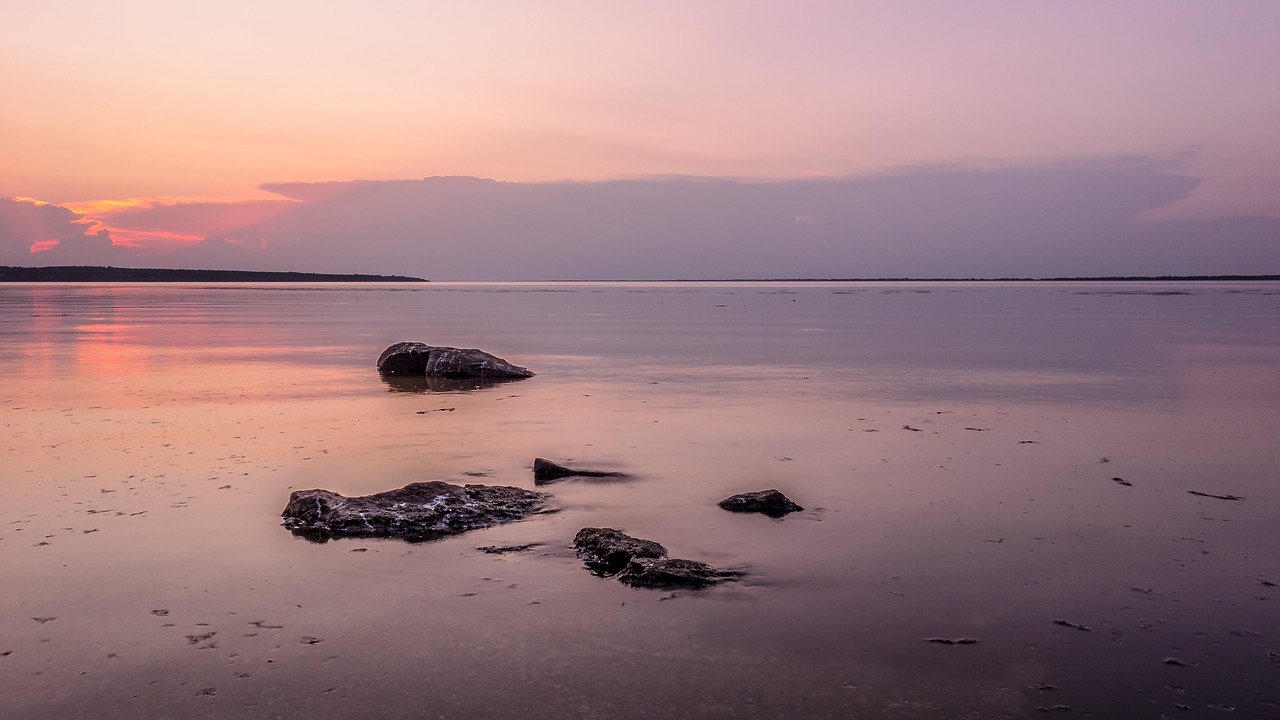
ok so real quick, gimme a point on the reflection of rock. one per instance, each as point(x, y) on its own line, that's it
point(415, 358)
point(438, 384)
point(545, 471)
point(418, 511)
point(770, 502)
point(640, 562)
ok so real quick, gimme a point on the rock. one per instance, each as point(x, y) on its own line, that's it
point(504, 549)
point(416, 512)
point(545, 471)
point(952, 641)
point(1215, 497)
point(770, 502)
point(642, 563)
point(415, 358)
point(607, 551)
point(669, 573)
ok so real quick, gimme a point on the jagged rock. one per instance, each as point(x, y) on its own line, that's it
point(415, 358)
point(608, 551)
point(670, 572)
point(642, 563)
point(545, 471)
point(416, 512)
point(770, 502)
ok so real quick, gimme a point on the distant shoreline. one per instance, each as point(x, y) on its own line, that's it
point(95, 273)
point(1100, 278)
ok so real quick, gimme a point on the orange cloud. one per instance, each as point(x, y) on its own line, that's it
point(149, 240)
point(165, 223)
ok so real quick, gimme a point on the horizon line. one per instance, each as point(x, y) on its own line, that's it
point(6, 270)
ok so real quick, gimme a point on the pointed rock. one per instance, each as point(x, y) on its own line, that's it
point(545, 471)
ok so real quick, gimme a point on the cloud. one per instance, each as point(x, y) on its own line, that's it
point(314, 192)
point(64, 236)
point(1071, 218)
point(157, 225)
point(1050, 219)
point(95, 248)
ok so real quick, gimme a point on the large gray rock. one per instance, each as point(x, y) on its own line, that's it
point(417, 512)
point(415, 358)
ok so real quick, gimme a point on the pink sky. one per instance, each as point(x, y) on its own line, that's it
point(124, 111)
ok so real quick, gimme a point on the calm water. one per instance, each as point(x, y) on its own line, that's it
point(955, 446)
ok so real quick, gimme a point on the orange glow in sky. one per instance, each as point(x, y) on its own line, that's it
point(577, 90)
point(153, 240)
point(168, 223)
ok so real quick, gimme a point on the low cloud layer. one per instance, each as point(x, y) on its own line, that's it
point(1067, 219)
point(26, 224)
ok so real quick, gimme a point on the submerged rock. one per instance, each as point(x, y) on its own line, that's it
point(415, 358)
point(504, 549)
point(952, 641)
point(416, 512)
point(770, 502)
point(1215, 497)
point(545, 471)
point(608, 551)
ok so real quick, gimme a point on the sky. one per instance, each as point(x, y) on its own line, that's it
point(588, 140)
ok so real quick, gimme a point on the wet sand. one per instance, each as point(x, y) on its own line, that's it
point(1008, 463)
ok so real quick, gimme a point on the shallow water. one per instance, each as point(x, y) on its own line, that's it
point(955, 445)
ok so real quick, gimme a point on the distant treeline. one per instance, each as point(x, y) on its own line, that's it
point(1171, 277)
point(91, 273)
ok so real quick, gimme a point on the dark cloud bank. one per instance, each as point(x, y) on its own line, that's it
point(1077, 219)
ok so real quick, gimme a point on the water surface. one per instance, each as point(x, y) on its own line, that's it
point(956, 447)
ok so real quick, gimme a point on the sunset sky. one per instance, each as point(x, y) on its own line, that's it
point(137, 130)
